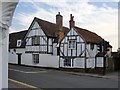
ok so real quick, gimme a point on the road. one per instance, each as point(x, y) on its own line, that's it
point(47, 78)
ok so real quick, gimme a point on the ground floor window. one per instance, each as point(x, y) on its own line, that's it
point(68, 62)
point(35, 58)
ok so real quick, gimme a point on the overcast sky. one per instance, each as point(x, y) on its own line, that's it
point(94, 15)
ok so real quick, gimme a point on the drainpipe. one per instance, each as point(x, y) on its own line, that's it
point(85, 59)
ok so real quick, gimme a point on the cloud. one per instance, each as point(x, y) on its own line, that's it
point(101, 20)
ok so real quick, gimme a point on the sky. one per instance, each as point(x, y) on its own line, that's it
point(99, 16)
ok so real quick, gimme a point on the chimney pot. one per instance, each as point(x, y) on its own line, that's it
point(58, 13)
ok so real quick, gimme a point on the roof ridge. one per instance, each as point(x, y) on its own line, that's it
point(44, 20)
point(48, 21)
point(89, 35)
point(85, 29)
point(18, 32)
point(88, 31)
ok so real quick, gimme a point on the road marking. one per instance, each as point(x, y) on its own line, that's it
point(17, 70)
point(26, 72)
point(37, 72)
point(24, 84)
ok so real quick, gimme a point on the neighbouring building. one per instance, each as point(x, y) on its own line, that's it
point(47, 44)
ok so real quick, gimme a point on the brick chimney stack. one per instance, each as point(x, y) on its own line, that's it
point(59, 21)
point(71, 22)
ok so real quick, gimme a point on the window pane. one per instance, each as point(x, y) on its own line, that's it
point(36, 40)
point(36, 58)
point(72, 44)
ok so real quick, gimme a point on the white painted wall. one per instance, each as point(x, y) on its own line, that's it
point(1, 59)
point(45, 60)
point(90, 63)
point(5, 60)
point(35, 30)
point(54, 49)
point(90, 52)
point(61, 62)
point(13, 57)
point(28, 60)
point(99, 62)
point(79, 63)
point(49, 61)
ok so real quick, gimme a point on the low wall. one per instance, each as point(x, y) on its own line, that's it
point(45, 60)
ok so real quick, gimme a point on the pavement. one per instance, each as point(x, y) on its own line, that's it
point(112, 75)
point(16, 84)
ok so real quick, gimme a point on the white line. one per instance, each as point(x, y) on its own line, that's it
point(37, 72)
point(26, 72)
point(17, 70)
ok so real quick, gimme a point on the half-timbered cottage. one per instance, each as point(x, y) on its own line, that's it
point(40, 43)
point(79, 47)
point(47, 44)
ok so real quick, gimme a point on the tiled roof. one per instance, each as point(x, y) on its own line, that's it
point(13, 37)
point(49, 28)
point(90, 37)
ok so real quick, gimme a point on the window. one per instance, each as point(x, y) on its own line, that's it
point(67, 62)
point(35, 40)
point(36, 58)
point(71, 44)
point(19, 42)
point(91, 46)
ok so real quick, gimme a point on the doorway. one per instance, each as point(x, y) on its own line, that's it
point(19, 58)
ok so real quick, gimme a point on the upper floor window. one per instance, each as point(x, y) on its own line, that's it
point(36, 40)
point(19, 43)
point(72, 44)
point(91, 46)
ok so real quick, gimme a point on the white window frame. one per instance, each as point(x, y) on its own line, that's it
point(70, 46)
point(35, 58)
point(19, 43)
point(68, 63)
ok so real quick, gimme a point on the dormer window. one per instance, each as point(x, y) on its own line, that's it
point(19, 43)
point(71, 44)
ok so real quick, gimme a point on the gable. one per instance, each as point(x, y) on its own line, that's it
point(49, 28)
point(72, 35)
point(35, 30)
